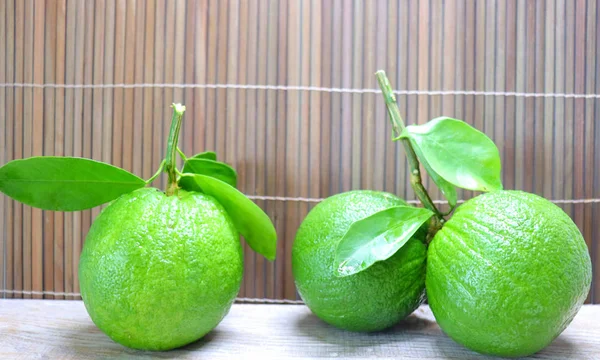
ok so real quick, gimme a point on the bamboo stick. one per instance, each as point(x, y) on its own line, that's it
point(47, 75)
point(148, 165)
point(27, 141)
point(250, 258)
point(59, 144)
point(69, 138)
point(10, 150)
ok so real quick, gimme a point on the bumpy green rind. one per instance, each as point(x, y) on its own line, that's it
point(371, 300)
point(507, 273)
point(159, 272)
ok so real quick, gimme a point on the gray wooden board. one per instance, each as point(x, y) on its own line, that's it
point(53, 329)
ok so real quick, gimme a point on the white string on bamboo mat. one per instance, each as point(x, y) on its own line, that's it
point(316, 200)
point(243, 300)
point(302, 88)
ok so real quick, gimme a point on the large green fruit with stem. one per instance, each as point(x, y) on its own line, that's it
point(373, 299)
point(158, 272)
point(507, 273)
point(158, 269)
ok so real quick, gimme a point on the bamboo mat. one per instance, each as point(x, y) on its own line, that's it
point(285, 92)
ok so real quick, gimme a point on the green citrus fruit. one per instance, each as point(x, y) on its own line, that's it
point(158, 272)
point(507, 273)
point(371, 300)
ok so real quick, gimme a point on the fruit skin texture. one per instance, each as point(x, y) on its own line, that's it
point(159, 272)
point(371, 300)
point(507, 273)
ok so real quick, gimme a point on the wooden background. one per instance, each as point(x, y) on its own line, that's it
point(288, 142)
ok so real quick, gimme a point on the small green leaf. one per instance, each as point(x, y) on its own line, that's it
point(249, 219)
point(459, 153)
point(210, 155)
point(377, 237)
point(65, 183)
point(447, 189)
point(212, 168)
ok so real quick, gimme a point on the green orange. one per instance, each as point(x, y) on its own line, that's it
point(507, 273)
point(158, 272)
point(373, 299)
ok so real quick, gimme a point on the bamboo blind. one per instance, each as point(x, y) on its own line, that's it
point(284, 90)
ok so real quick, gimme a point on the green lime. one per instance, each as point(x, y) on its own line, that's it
point(371, 300)
point(507, 273)
point(158, 272)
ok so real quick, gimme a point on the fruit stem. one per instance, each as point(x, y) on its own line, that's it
point(398, 126)
point(171, 160)
point(435, 224)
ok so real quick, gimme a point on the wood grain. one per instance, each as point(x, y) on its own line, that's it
point(62, 329)
point(290, 143)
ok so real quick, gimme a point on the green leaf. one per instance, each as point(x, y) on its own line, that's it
point(210, 155)
point(65, 183)
point(212, 168)
point(459, 153)
point(248, 218)
point(377, 237)
point(447, 189)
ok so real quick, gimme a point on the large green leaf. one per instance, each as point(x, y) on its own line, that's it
point(212, 168)
point(377, 237)
point(65, 183)
point(249, 219)
point(458, 153)
point(210, 155)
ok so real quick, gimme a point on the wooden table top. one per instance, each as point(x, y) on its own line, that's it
point(54, 329)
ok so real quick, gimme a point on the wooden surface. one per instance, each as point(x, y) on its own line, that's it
point(41, 329)
point(290, 143)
